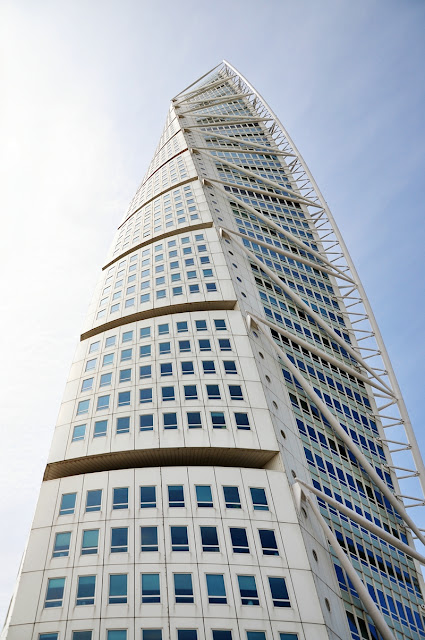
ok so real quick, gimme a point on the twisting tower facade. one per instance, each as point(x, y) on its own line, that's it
point(221, 466)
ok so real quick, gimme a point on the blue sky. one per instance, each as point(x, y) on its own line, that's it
point(85, 91)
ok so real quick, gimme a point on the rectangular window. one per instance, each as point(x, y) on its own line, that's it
point(166, 369)
point(259, 499)
point(248, 590)
point(127, 336)
point(220, 325)
point(123, 424)
point(150, 588)
point(147, 497)
point(49, 636)
point(230, 367)
point(179, 540)
point(85, 590)
point(184, 346)
point(187, 634)
point(151, 634)
point(279, 592)
point(194, 420)
point(145, 395)
point(256, 635)
point(79, 432)
point(232, 498)
point(145, 332)
point(119, 539)
point(94, 500)
point(190, 392)
point(268, 542)
point(90, 542)
point(54, 595)
point(163, 329)
point(224, 344)
point(201, 325)
point(170, 420)
point(168, 394)
point(220, 634)
point(242, 421)
point(67, 504)
point(213, 392)
point(118, 588)
point(83, 407)
point(204, 495)
point(239, 540)
point(105, 379)
point(81, 635)
point(91, 364)
point(183, 588)
point(218, 420)
point(175, 496)
point(145, 371)
point(125, 375)
point(164, 348)
point(124, 398)
point(187, 368)
point(61, 546)
point(108, 359)
point(235, 391)
point(145, 351)
point(117, 634)
point(102, 403)
point(120, 498)
point(211, 286)
point(148, 539)
point(126, 354)
point(87, 384)
point(110, 342)
point(100, 428)
point(182, 327)
point(194, 288)
point(146, 422)
point(208, 366)
point(204, 345)
point(215, 588)
point(209, 539)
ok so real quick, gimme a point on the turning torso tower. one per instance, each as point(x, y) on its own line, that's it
point(221, 465)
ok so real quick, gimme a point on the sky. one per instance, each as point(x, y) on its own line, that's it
point(85, 89)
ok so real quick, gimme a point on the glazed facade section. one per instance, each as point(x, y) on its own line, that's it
point(218, 360)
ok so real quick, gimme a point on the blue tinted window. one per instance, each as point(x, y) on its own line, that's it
point(222, 634)
point(119, 539)
point(183, 587)
point(87, 384)
point(229, 367)
point(181, 327)
point(248, 590)
point(259, 499)
point(146, 422)
point(201, 325)
point(67, 504)
point(118, 588)
point(187, 368)
point(61, 547)
point(145, 350)
point(145, 332)
point(208, 366)
point(209, 539)
point(239, 540)
point(103, 403)
point(166, 369)
point(123, 424)
point(117, 634)
point(126, 354)
point(179, 540)
point(147, 497)
point(218, 420)
point(48, 636)
point(190, 392)
point(164, 347)
point(268, 542)
point(127, 336)
point(125, 375)
point(105, 379)
point(94, 500)
point(170, 420)
point(110, 342)
point(279, 592)
point(108, 359)
point(184, 345)
point(150, 587)
point(85, 590)
point(79, 432)
point(145, 395)
point(168, 394)
point(81, 635)
point(175, 496)
point(151, 634)
point(90, 542)
point(216, 589)
point(187, 634)
point(54, 595)
point(242, 421)
point(100, 428)
point(146, 371)
point(204, 495)
point(213, 391)
point(120, 498)
point(194, 420)
point(256, 635)
point(124, 398)
point(204, 345)
point(220, 325)
point(231, 497)
point(235, 391)
point(149, 538)
point(83, 407)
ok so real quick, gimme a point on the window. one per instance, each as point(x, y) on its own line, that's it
point(151, 634)
point(279, 592)
point(255, 635)
point(61, 546)
point(224, 344)
point(145, 371)
point(242, 421)
point(194, 420)
point(248, 590)
point(105, 379)
point(190, 392)
point(85, 590)
point(179, 540)
point(117, 634)
point(148, 539)
point(90, 542)
point(110, 342)
point(127, 336)
point(145, 332)
point(239, 540)
point(118, 588)
point(108, 359)
point(220, 325)
point(183, 588)
point(203, 495)
point(100, 428)
point(259, 499)
point(184, 346)
point(145, 297)
point(216, 589)
point(209, 539)
point(150, 588)
point(268, 542)
point(146, 422)
point(120, 498)
point(87, 384)
point(91, 364)
point(48, 636)
point(181, 327)
point(201, 325)
point(213, 392)
point(220, 634)
point(208, 366)
point(102, 403)
point(187, 634)
point(145, 350)
point(124, 398)
point(79, 432)
point(170, 420)
point(147, 497)
point(194, 288)
point(218, 420)
point(119, 540)
point(123, 424)
point(168, 394)
point(81, 635)
point(166, 369)
point(83, 407)
point(230, 367)
point(175, 496)
point(187, 368)
point(145, 395)
point(93, 500)
point(164, 347)
point(289, 636)
point(67, 504)
point(54, 595)
point(125, 375)
point(126, 354)
point(204, 345)
point(235, 391)
point(231, 497)
point(211, 286)
point(161, 293)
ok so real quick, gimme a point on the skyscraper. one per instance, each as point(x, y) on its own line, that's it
point(221, 465)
